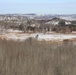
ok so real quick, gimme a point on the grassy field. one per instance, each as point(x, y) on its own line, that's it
point(37, 58)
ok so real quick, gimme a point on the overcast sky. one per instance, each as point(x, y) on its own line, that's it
point(38, 6)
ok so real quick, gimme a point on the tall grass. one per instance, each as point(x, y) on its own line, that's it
point(37, 58)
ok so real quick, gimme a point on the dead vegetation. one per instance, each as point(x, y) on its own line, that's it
point(37, 58)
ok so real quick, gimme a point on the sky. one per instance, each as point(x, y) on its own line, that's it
point(38, 6)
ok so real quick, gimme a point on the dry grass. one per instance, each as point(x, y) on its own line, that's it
point(37, 58)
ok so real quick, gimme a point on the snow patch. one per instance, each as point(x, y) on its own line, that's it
point(41, 36)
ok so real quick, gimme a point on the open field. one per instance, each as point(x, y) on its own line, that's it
point(37, 58)
point(51, 36)
point(48, 54)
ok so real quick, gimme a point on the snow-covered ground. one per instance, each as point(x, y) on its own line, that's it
point(11, 30)
point(68, 18)
point(18, 35)
point(59, 37)
point(41, 36)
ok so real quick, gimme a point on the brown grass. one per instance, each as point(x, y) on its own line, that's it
point(37, 58)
